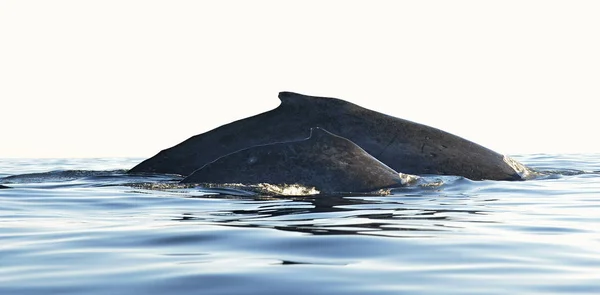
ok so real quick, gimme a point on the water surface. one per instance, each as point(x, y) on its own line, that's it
point(83, 227)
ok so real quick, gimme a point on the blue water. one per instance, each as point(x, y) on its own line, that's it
point(87, 228)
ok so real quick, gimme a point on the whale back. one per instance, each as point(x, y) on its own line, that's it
point(403, 145)
point(325, 161)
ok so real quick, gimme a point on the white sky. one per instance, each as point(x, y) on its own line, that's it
point(129, 78)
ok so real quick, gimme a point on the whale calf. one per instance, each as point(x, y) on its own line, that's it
point(325, 161)
point(404, 146)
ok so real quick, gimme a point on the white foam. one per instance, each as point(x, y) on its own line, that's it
point(289, 189)
point(523, 171)
point(407, 179)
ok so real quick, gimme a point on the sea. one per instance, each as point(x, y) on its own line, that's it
point(84, 226)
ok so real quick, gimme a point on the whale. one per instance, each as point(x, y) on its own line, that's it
point(3, 186)
point(403, 145)
point(323, 161)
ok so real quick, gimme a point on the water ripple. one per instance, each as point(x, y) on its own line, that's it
point(106, 234)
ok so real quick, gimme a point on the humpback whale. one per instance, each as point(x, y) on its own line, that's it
point(327, 162)
point(403, 145)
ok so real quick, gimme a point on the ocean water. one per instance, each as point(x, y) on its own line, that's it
point(82, 226)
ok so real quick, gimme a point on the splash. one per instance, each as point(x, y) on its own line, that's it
point(522, 171)
point(288, 189)
point(408, 179)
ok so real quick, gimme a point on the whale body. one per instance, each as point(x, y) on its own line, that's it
point(327, 162)
point(403, 145)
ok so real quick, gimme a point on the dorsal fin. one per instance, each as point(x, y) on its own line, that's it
point(292, 98)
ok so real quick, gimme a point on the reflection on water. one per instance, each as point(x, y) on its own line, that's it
point(105, 232)
point(323, 215)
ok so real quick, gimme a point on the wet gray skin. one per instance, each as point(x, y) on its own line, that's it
point(403, 145)
point(330, 163)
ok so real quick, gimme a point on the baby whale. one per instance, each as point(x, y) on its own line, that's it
point(329, 163)
point(402, 145)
